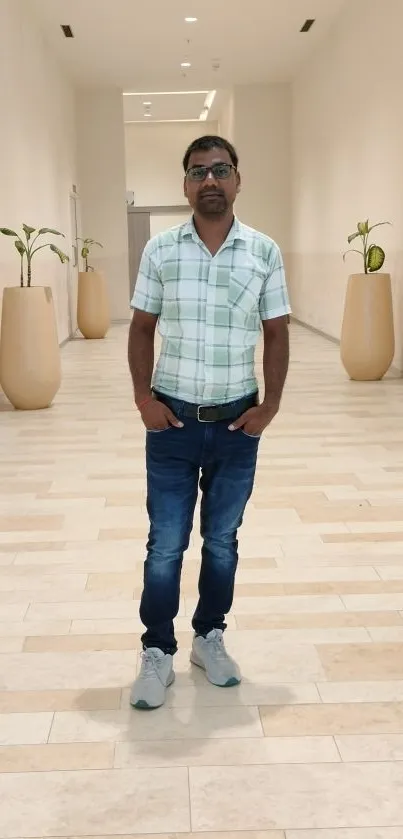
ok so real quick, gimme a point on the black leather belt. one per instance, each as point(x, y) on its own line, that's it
point(210, 413)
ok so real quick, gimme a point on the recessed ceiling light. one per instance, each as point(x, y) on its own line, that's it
point(191, 19)
point(67, 30)
point(186, 64)
point(147, 104)
point(307, 25)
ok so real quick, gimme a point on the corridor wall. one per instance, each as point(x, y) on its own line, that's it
point(37, 149)
point(347, 160)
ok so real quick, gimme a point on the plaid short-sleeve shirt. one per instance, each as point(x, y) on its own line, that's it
point(210, 309)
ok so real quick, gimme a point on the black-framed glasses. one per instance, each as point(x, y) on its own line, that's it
point(220, 171)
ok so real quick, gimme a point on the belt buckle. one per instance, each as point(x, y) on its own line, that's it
point(201, 408)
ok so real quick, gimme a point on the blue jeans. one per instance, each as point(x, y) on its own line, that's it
point(224, 462)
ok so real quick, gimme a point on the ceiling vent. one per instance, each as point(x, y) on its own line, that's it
point(67, 31)
point(307, 25)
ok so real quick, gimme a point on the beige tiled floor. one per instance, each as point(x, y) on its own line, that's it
point(311, 744)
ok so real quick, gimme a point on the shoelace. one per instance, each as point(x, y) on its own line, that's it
point(149, 665)
point(216, 641)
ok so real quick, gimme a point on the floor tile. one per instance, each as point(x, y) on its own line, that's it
point(14, 702)
point(361, 662)
point(50, 671)
point(25, 728)
point(51, 757)
point(348, 833)
point(165, 723)
point(11, 645)
point(93, 802)
point(245, 752)
point(21, 629)
point(326, 620)
point(285, 797)
point(191, 690)
point(81, 643)
point(339, 692)
point(315, 720)
point(370, 747)
point(227, 834)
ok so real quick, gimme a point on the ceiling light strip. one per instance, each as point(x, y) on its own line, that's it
point(170, 93)
point(142, 121)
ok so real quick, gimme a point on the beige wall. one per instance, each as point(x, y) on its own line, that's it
point(163, 221)
point(154, 154)
point(226, 122)
point(37, 150)
point(261, 119)
point(348, 160)
point(101, 173)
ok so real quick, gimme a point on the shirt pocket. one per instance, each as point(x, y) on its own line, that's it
point(244, 294)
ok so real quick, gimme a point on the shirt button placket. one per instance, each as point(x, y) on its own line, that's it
point(210, 331)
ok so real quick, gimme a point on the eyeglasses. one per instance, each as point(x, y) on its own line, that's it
point(220, 171)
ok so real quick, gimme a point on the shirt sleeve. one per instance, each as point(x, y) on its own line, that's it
point(148, 290)
point(274, 300)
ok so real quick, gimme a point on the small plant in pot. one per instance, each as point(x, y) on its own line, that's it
point(85, 251)
point(92, 300)
point(29, 248)
point(373, 255)
point(30, 372)
point(367, 335)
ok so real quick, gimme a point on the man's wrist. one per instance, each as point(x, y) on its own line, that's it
point(271, 401)
point(142, 399)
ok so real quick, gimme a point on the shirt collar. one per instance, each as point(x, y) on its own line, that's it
point(236, 232)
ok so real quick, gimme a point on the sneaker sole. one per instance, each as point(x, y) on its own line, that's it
point(230, 683)
point(142, 705)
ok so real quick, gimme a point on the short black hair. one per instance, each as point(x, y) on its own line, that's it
point(206, 144)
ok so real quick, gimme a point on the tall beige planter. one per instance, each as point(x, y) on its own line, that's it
point(30, 370)
point(92, 305)
point(367, 338)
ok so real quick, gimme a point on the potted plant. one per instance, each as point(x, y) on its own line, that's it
point(92, 301)
point(30, 372)
point(367, 336)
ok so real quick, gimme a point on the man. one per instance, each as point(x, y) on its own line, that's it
point(212, 284)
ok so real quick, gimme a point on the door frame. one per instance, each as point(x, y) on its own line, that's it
point(74, 264)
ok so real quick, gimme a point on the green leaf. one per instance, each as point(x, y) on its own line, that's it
point(62, 256)
point(44, 230)
point(85, 252)
point(352, 237)
point(28, 230)
point(375, 258)
point(20, 247)
point(363, 227)
point(89, 242)
point(7, 232)
point(379, 224)
point(352, 250)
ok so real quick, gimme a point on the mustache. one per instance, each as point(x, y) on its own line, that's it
point(209, 191)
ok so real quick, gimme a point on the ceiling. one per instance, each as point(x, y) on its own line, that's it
point(184, 106)
point(139, 47)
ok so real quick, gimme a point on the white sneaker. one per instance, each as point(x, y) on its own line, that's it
point(210, 654)
point(155, 676)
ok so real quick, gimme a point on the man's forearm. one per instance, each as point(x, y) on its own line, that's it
point(275, 364)
point(141, 361)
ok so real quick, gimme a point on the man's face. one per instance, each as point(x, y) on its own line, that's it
point(211, 193)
